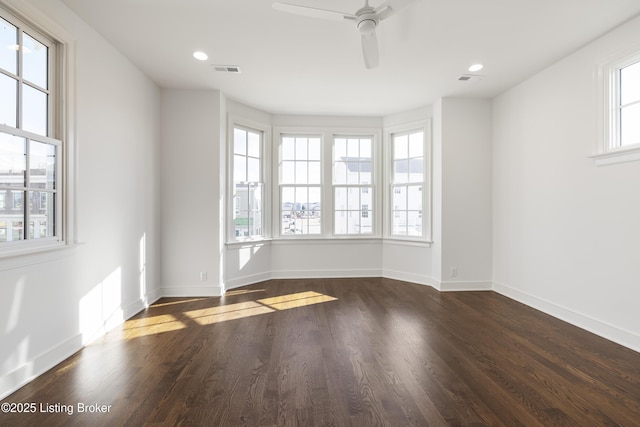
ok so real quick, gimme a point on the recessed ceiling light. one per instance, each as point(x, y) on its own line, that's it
point(476, 67)
point(200, 56)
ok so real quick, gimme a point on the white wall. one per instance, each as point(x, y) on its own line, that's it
point(51, 304)
point(192, 192)
point(566, 232)
point(463, 148)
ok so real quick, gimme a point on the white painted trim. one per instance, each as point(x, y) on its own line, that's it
point(191, 291)
point(605, 330)
point(246, 280)
point(467, 286)
point(39, 365)
point(620, 155)
point(324, 274)
point(419, 279)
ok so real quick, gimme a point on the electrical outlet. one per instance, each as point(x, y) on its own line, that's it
point(454, 272)
point(203, 276)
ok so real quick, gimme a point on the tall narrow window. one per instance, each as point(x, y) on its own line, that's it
point(629, 105)
point(353, 185)
point(30, 154)
point(300, 185)
point(407, 184)
point(248, 183)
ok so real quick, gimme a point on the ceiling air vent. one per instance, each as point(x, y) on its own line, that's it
point(468, 78)
point(227, 68)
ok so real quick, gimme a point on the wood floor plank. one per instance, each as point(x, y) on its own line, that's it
point(342, 352)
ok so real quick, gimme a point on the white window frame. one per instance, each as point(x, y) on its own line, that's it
point(375, 228)
point(326, 184)
point(234, 122)
point(608, 148)
point(425, 127)
point(61, 125)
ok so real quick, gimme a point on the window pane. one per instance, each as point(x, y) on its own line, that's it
point(288, 149)
point(414, 223)
point(41, 211)
point(416, 145)
point(416, 167)
point(8, 47)
point(8, 101)
point(12, 160)
point(314, 173)
point(253, 144)
point(339, 149)
point(630, 125)
point(630, 84)
point(253, 172)
point(340, 198)
point(353, 148)
point(16, 231)
point(399, 226)
point(3, 231)
point(353, 222)
point(365, 148)
point(339, 172)
point(401, 147)
point(42, 165)
point(353, 199)
point(314, 209)
point(301, 173)
point(239, 168)
point(301, 148)
point(399, 198)
point(365, 173)
point(314, 148)
point(340, 222)
point(400, 171)
point(34, 110)
point(34, 61)
point(239, 141)
point(414, 198)
point(17, 200)
point(288, 172)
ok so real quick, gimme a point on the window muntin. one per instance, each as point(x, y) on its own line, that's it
point(30, 159)
point(408, 179)
point(248, 183)
point(300, 184)
point(353, 185)
point(629, 105)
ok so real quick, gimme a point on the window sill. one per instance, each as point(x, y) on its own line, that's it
point(26, 255)
point(620, 155)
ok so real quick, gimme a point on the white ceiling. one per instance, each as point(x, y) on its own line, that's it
point(299, 65)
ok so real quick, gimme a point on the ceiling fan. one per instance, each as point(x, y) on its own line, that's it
point(366, 19)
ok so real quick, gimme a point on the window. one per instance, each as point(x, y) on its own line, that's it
point(30, 148)
point(619, 99)
point(628, 108)
point(300, 184)
point(248, 183)
point(407, 179)
point(352, 182)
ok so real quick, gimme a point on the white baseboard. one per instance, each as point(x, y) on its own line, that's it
point(39, 365)
point(468, 286)
point(42, 363)
point(324, 274)
point(411, 277)
point(605, 330)
point(191, 291)
point(246, 280)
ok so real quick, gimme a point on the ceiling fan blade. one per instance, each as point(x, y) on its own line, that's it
point(312, 11)
point(370, 49)
point(390, 7)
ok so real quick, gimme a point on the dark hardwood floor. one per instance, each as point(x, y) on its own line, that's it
point(341, 352)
